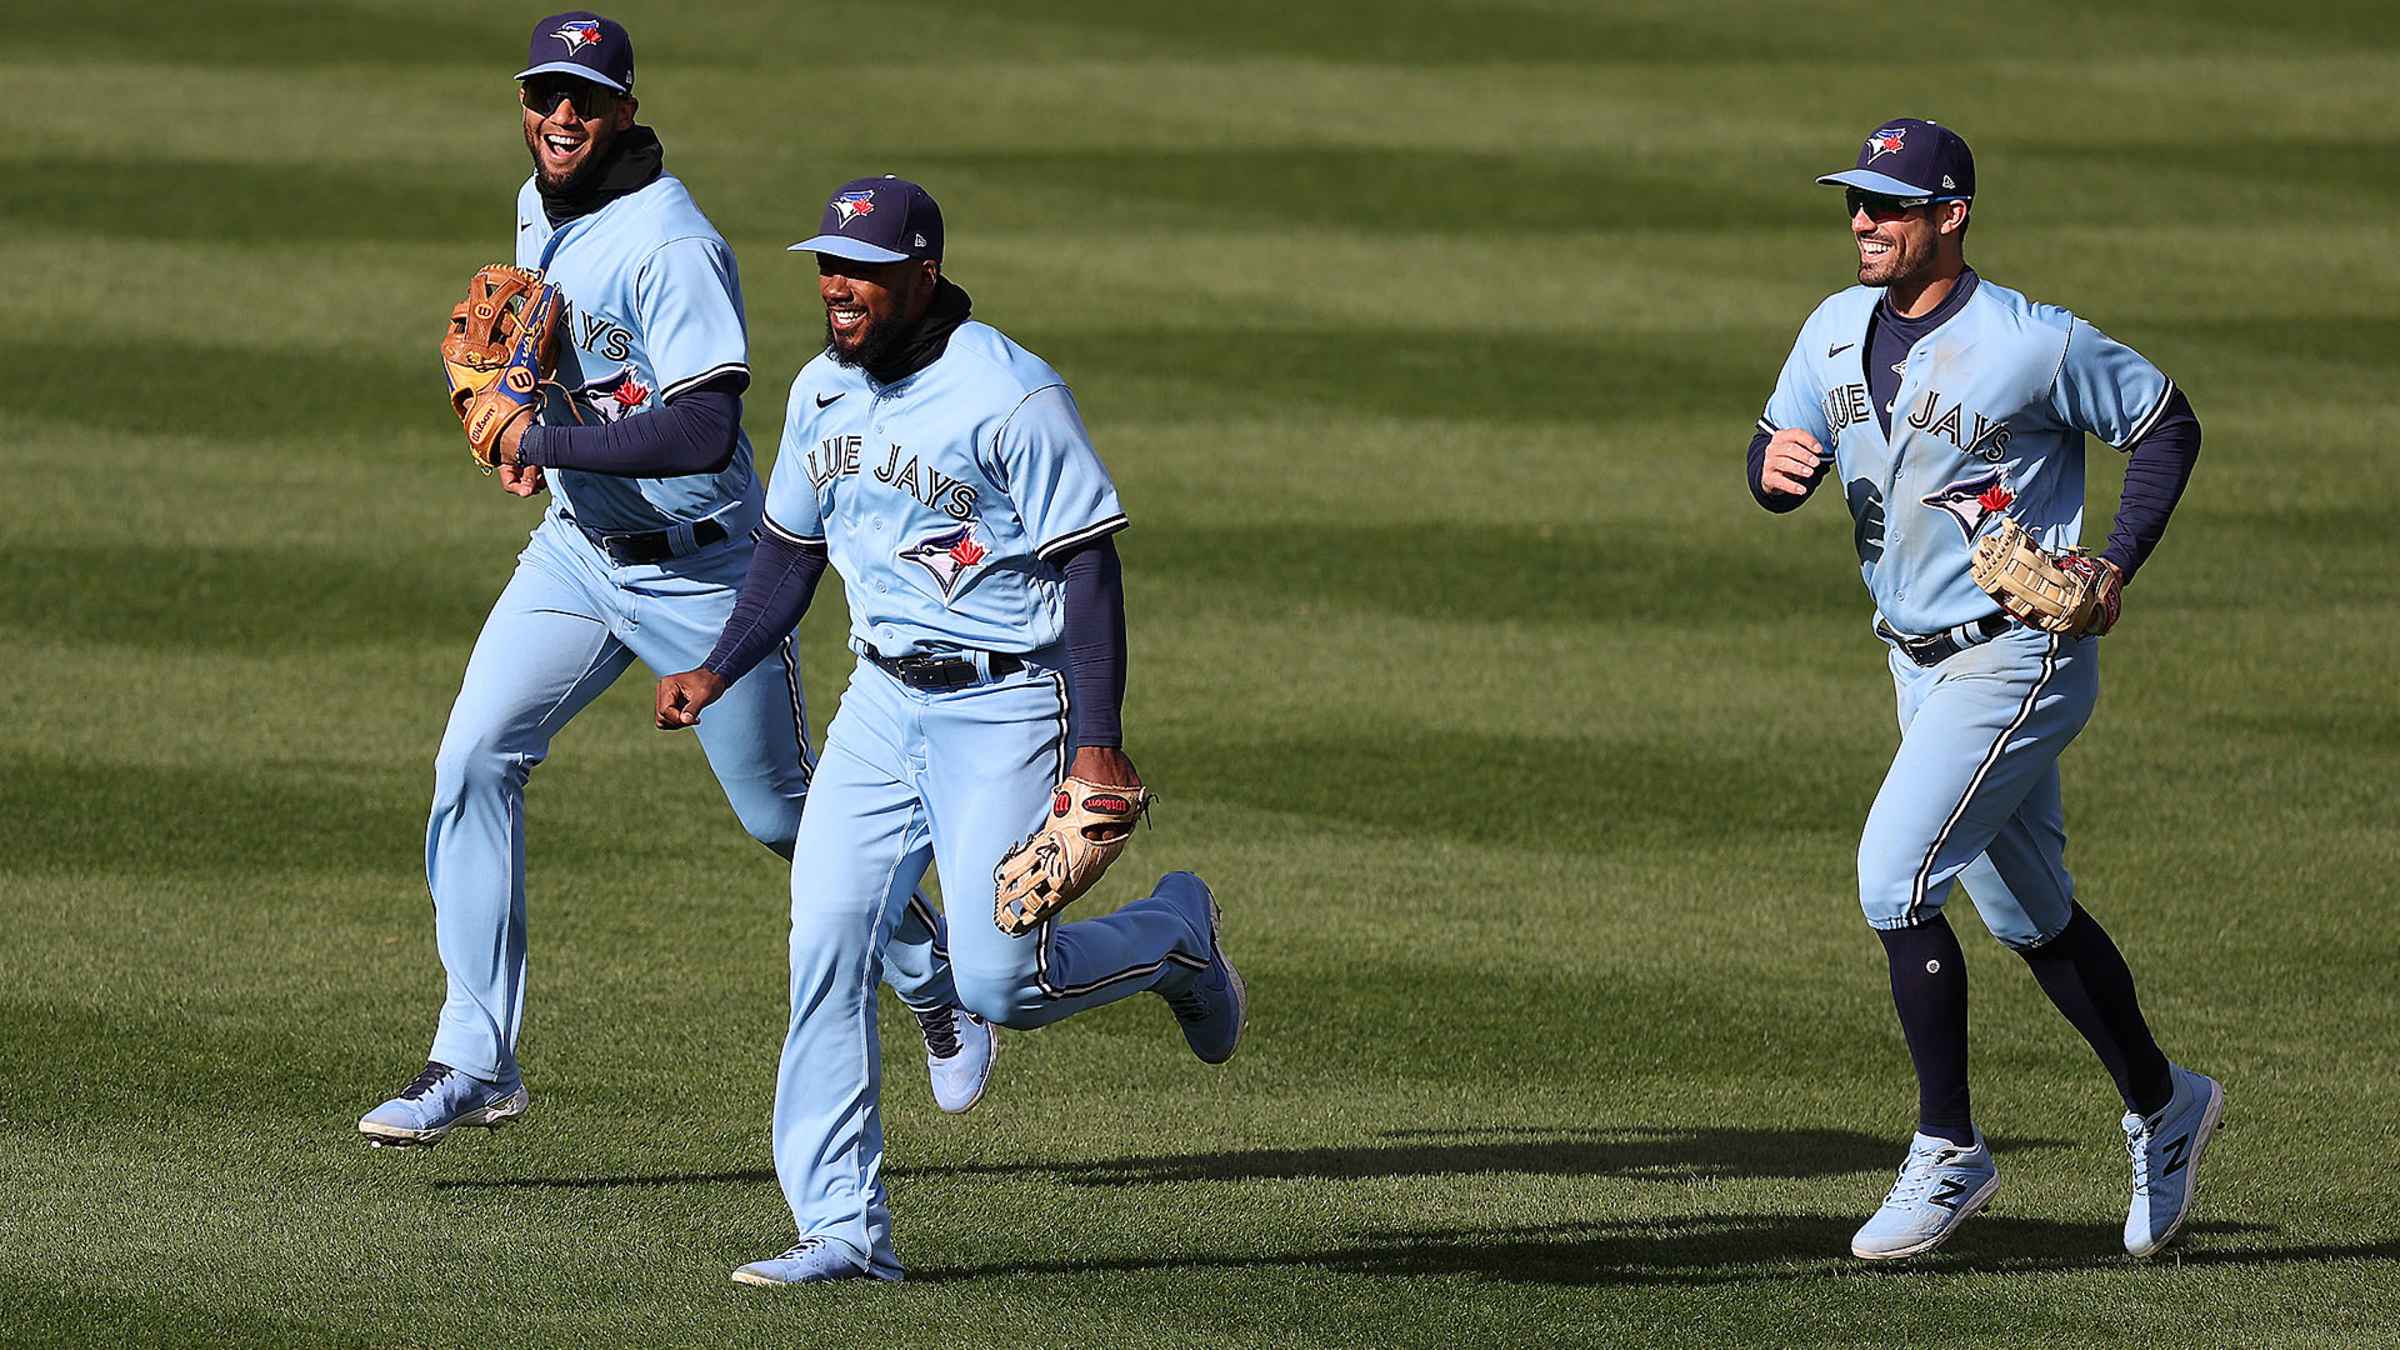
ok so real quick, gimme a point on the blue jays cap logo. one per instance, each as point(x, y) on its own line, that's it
point(851, 205)
point(1888, 141)
point(578, 34)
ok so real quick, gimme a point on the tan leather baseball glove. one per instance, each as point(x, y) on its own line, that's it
point(2070, 593)
point(501, 347)
point(1086, 829)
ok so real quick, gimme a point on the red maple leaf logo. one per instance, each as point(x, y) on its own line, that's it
point(629, 394)
point(966, 552)
point(1995, 498)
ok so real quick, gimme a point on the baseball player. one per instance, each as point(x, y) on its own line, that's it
point(653, 505)
point(944, 470)
point(1944, 403)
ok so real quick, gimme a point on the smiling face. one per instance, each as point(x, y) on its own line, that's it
point(870, 308)
point(1901, 241)
point(569, 126)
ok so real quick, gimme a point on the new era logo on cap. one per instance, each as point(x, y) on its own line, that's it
point(878, 220)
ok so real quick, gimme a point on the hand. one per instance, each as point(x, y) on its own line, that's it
point(504, 450)
point(1105, 765)
point(1792, 462)
point(681, 697)
point(2108, 584)
point(521, 480)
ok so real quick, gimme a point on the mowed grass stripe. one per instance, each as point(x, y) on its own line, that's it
point(1527, 753)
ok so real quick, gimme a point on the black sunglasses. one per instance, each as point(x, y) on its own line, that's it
point(1877, 205)
point(589, 100)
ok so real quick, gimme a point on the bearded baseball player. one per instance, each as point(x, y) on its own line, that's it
point(1952, 412)
point(653, 501)
point(945, 471)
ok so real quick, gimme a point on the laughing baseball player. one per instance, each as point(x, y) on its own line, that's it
point(1953, 413)
point(653, 506)
point(944, 471)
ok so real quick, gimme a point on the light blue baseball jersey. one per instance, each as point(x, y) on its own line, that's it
point(654, 307)
point(1990, 419)
point(943, 497)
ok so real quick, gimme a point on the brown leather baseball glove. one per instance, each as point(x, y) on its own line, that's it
point(1086, 829)
point(500, 349)
point(2070, 593)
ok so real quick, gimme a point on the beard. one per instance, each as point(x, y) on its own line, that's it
point(582, 175)
point(882, 341)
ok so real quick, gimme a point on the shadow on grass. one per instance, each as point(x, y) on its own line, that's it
point(1703, 1250)
point(1667, 1152)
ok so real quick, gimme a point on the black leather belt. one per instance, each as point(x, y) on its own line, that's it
point(654, 546)
point(942, 672)
point(1932, 651)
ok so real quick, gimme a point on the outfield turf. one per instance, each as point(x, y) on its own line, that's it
point(1528, 754)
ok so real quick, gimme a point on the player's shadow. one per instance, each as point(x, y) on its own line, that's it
point(1702, 1249)
point(1668, 1152)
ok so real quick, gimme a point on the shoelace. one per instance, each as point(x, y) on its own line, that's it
point(1917, 1174)
point(2137, 1147)
point(805, 1246)
point(1190, 1005)
point(426, 1080)
point(941, 1032)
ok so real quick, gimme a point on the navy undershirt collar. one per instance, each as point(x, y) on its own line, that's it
point(1891, 334)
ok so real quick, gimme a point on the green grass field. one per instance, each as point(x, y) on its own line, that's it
point(1528, 754)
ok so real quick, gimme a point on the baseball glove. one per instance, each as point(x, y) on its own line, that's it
point(500, 348)
point(2071, 593)
point(1086, 829)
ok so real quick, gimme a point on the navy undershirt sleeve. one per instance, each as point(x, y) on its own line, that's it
point(695, 433)
point(1095, 643)
point(775, 592)
point(1778, 502)
point(2159, 467)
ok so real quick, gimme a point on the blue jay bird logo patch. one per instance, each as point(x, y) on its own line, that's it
point(578, 34)
point(1889, 141)
point(947, 557)
point(1972, 502)
point(610, 399)
point(851, 205)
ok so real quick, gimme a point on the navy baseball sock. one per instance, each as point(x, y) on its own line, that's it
point(1929, 987)
point(2084, 974)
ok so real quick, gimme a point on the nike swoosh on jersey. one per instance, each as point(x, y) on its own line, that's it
point(826, 400)
point(1832, 352)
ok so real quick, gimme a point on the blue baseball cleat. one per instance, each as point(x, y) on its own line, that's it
point(2166, 1149)
point(439, 1100)
point(959, 1050)
point(1939, 1186)
point(1214, 1004)
point(813, 1261)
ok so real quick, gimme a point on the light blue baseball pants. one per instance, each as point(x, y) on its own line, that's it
point(1973, 794)
point(954, 779)
point(568, 624)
